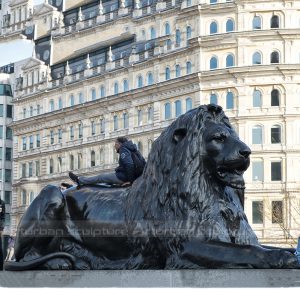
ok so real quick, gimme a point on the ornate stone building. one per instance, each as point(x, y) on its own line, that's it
point(103, 69)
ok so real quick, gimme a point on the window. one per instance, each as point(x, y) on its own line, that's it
point(93, 127)
point(257, 98)
point(59, 164)
point(257, 212)
point(150, 114)
point(9, 112)
point(125, 85)
point(71, 133)
point(30, 169)
point(125, 120)
point(93, 94)
point(24, 200)
point(276, 171)
point(188, 104)
point(8, 154)
point(213, 99)
point(31, 197)
point(1, 110)
point(72, 100)
point(276, 134)
point(188, 67)
point(178, 37)
point(38, 140)
point(51, 166)
point(80, 97)
point(213, 1)
point(167, 29)
point(274, 57)
point(275, 98)
point(140, 81)
point(277, 212)
point(7, 197)
point(60, 135)
point(80, 130)
point(256, 58)
point(169, 44)
point(257, 171)
point(167, 111)
point(102, 125)
point(9, 133)
point(140, 117)
point(188, 32)
point(229, 61)
point(178, 110)
point(177, 71)
point(8, 175)
point(213, 64)
point(38, 110)
point(71, 162)
point(31, 111)
point(167, 73)
point(31, 142)
point(23, 169)
point(51, 105)
point(229, 100)
point(37, 168)
point(229, 25)
point(115, 122)
point(274, 23)
point(257, 135)
point(24, 143)
point(213, 28)
point(102, 91)
point(150, 78)
point(152, 33)
point(256, 22)
point(93, 159)
point(60, 103)
point(79, 161)
point(5, 90)
point(51, 137)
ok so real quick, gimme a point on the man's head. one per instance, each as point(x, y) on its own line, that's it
point(119, 141)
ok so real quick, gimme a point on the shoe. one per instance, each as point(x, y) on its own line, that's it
point(74, 177)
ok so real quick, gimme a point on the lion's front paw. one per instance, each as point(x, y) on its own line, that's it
point(283, 259)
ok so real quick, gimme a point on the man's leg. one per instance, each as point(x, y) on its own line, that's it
point(109, 178)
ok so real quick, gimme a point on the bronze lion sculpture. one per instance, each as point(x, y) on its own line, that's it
point(184, 212)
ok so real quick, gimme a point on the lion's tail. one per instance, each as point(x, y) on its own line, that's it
point(28, 265)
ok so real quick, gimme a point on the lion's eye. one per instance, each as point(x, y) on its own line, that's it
point(220, 138)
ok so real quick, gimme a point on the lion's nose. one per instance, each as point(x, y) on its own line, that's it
point(245, 152)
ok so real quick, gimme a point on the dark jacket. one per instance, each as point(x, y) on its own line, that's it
point(125, 171)
point(2, 214)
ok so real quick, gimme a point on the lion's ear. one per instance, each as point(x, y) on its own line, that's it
point(179, 134)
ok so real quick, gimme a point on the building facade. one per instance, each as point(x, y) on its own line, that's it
point(103, 69)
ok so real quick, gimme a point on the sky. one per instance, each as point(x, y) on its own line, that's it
point(16, 50)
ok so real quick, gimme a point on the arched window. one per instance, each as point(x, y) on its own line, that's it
point(256, 23)
point(177, 70)
point(188, 104)
point(257, 135)
point(31, 196)
point(125, 120)
point(274, 22)
point(188, 32)
point(169, 44)
point(275, 97)
point(150, 114)
point(257, 98)
point(229, 100)
point(167, 73)
point(229, 61)
point(60, 103)
point(51, 166)
point(167, 29)
point(125, 85)
point(31, 110)
point(93, 158)
point(102, 125)
point(102, 91)
point(150, 78)
point(116, 121)
point(213, 28)
point(276, 134)
point(116, 88)
point(178, 37)
point(213, 63)
point(188, 67)
point(213, 99)
point(72, 100)
point(167, 111)
point(24, 196)
point(178, 110)
point(140, 81)
point(256, 58)
point(139, 117)
point(80, 97)
point(38, 109)
point(152, 33)
point(229, 25)
point(274, 57)
point(93, 127)
point(71, 133)
point(52, 105)
point(24, 113)
point(80, 130)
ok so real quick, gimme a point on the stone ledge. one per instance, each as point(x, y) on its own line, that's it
point(149, 278)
